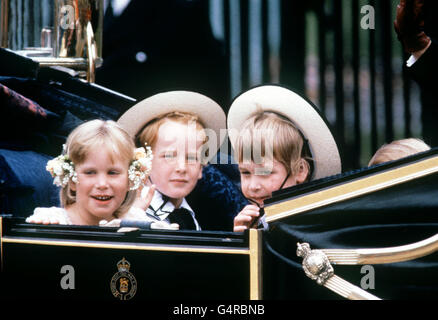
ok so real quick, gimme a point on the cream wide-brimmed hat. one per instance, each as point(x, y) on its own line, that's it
point(301, 113)
point(208, 111)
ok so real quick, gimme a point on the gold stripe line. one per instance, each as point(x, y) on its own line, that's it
point(128, 247)
point(383, 255)
point(350, 190)
point(255, 264)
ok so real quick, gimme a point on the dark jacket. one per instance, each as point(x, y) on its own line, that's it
point(156, 46)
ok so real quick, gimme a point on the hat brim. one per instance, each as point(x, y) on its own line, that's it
point(300, 112)
point(208, 111)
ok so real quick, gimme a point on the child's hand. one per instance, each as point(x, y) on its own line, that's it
point(245, 218)
point(40, 219)
point(48, 216)
point(144, 197)
point(112, 223)
point(163, 225)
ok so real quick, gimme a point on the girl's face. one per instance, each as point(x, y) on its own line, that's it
point(259, 181)
point(101, 188)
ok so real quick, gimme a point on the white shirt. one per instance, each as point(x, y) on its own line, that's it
point(118, 6)
point(416, 55)
point(52, 214)
point(159, 209)
point(60, 215)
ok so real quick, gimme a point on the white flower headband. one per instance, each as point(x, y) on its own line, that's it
point(141, 166)
point(62, 168)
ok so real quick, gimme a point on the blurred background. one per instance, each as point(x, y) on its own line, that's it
point(319, 48)
point(316, 47)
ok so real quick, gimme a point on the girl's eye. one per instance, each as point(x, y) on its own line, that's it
point(169, 155)
point(89, 172)
point(114, 172)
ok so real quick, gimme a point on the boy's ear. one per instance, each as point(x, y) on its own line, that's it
point(200, 172)
point(302, 172)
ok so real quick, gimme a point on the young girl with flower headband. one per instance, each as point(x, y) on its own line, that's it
point(99, 173)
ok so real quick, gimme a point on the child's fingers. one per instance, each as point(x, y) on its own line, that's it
point(33, 220)
point(53, 220)
point(148, 192)
point(149, 195)
point(112, 223)
point(42, 219)
point(250, 211)
point(144, 197)
point(245, 218)
point(243, 221)
point(239, 228)
point(252, 207)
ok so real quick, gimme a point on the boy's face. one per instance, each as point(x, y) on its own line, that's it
point(176, 166)
point(259, 181)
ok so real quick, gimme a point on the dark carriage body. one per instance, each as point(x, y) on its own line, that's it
point(384, 206)
point(49, 103)
point(74, 262)
point(388, 205)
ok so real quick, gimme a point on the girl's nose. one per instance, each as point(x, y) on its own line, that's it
point(102, 181)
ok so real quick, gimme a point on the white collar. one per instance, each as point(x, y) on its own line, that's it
point(161, 208)
point(118, 6)
point(157, 202)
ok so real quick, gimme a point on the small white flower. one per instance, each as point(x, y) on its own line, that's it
point(61, 169)
point(144, 162)
point(57, 181)
point(139, 153)
point(140, 167)
point(57, 169)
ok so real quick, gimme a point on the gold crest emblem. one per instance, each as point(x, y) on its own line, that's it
point(123, 283)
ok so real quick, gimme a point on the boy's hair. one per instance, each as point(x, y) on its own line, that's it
point(398, 149)
point(149, 134)
point(267, 135)
point(99, 135)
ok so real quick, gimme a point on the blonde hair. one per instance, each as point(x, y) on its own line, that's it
point(96, 135)
point(272, 135)
point(149, 133)
point(398, 149)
